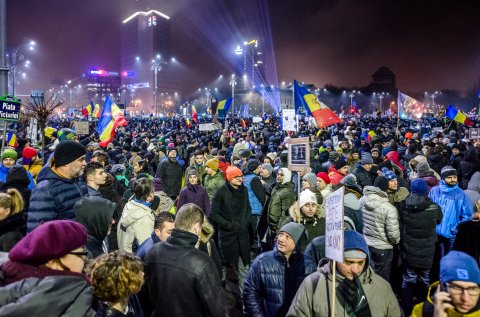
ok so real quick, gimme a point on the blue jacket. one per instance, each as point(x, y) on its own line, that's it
point(147, 245)
point(272, 282)
point(455, 205)
point(3, 176)
point(53, 198)
point(255, 204)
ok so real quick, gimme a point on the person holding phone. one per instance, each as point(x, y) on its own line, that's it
point(457, 292)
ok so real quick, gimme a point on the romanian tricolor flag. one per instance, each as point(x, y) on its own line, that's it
point(194, 115)
point(223, 107)
point(456, 115)
point(320, 111)
point(12, 139)
point(110, 118)
point(96, 111)
point(244, 124)
point(189, 124)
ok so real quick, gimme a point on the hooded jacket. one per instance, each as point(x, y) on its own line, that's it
point(95, 214)
point(420, 217)
point(313, 297)
point(53, 198)
point(3, 175)
point(212, 183)
point(136, 223)
point(272, 282)
point(364, 178)
point(194, 194)
point(281, 198)
point(473, 190)
point(380, 219)
point(455, 205)
point(171, 175)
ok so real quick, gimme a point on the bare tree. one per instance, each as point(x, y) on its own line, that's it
point(42, 109)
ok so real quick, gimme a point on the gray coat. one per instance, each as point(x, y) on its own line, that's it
point(473, 190)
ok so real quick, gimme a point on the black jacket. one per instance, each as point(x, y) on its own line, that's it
point(231, 212)
point(364, 178)
point(171, 175)
point(419, 218)
point(468, 239)
point(181, 280)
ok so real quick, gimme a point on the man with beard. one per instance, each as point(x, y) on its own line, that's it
point(455, 205)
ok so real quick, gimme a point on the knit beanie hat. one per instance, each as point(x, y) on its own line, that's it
point(388, 174)
point(366, 159)
point(375, 150)
point(423, 169)
point(118, 169)
point(244, 153)
point(333, 156)
point(339, 163)
point(311, 179)
point(29, 152)
point(67, 152)
point(212, 163)
point(272, 156)
point(51, 240)
point(324, 176)
point(268, 167)
point(382, 183)
point(294, 230)
point(459, 266)
point(419, 186)
point(252, 165)
point(307, 196)
point(10, 153)
point(190, 172)
point(287, 175)
point(349, 180)
point(232, 172)
point(448, 171)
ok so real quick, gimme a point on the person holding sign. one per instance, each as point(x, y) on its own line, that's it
point(359, 291)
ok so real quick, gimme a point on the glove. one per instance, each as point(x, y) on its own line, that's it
point(353, 294)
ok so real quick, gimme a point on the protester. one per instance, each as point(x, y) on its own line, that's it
point(194, 192)
point(13, 221)
point(163, 226)
point(214, 178)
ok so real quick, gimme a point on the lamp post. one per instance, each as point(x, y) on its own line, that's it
point(381, 96)
point(208, 94)
point(13, 57)
point(233, 82)
point(433, 99)
point(351, 95)
point(263, 98)
point(156, 68)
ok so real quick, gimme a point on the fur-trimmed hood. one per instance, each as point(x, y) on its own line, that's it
point(207, 231)
point(296, 214)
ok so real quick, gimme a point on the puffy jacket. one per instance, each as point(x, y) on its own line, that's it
point(455, 205)
point(420, 217)
point(473, 190)
point(53, 199)
point(364, 178)
point(255, 203)
point(171, 175)
point(282, 197)
point(380, 219)
point(212, 183)
point(136, 223)
point(3, 176)
point(272, 282)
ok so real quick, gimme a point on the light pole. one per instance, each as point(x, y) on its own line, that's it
point(13, 57)
point(433, 99)
point(156, 68)
point(263, 98)
point(208, 94)
point(233, 82)
point(351, 95)
point(381, 96)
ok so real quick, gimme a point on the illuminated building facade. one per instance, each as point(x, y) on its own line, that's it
point(249, 64)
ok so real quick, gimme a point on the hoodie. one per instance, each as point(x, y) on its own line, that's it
point(95, 214)
point(136, 224)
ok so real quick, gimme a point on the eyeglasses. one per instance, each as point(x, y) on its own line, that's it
point(458, 290)
point(82, 254)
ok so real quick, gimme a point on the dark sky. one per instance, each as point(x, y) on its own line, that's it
point(429, 45)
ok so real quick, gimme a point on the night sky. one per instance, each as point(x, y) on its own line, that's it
point(429, 45)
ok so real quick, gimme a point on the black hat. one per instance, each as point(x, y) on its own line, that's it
point(135, 149)
point(382, 183)
point(339, 163)
point(252, 165)
point(68, 151)
point(448, 171)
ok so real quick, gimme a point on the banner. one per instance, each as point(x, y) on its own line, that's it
point(409, 108)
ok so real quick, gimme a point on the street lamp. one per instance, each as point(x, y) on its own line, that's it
point(263, 98)
point(233, 82)
point(381, 96)
point(208, 94)
point(13, 57)
point(351, 95)
point(156, 68)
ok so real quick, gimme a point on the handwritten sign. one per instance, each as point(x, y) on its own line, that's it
point(334, 226)
point(81, 127)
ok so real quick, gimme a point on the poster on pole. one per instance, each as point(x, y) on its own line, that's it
point(209, 126)
point(257, 119)
point(334, 225)
point(299, 154)
point(288, 120)
point(81, 127)
point(474, 133)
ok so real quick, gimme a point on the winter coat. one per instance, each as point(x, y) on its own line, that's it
point(231, 213)
point(437, 161)
point(315, 225)
point(194, 194)
point(468, 239)
point(455, 205)
point(431, 181)
point(17, 178)
point(398, 196)
point(222, 166)
point(189, 275)
point(254, 186)
point(335, 176)
point(171, 175)
point(282, 197)
point(313, 297)
point(3, 176)
point(419, 217)
point(394, 156)
point(53, 199)
point(136, 224)
point(268, 185)
point(473, 190)
point(200, 169)
point(97, 223)
point(380, 219)
point(12, 229)
point(34, 168)
point(467, 168)
point(272, 282)
point(364, 178)
point(212, 183)
point(32, 290)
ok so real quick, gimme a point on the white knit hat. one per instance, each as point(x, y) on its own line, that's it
point(307, 196)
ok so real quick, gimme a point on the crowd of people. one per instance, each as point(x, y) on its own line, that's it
point(168, 220)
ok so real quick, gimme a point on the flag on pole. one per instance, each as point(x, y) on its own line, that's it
point(194, 115)
point(244, 124)
point(110, 118)
point(96, 111)
point(409, 108)
point(311, 105)
point(12, 139)
point(458, 116)
point(223, 106)
point(189, 124)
